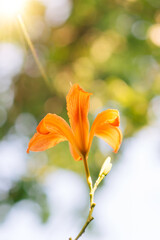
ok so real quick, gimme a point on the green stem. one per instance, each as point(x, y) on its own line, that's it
point(92, 204)
point(89, 219)
point(88, 176)
point(92, 191)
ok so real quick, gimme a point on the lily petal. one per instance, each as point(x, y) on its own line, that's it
point(111, 135)
point(78, 106)
point(50, 131)
point(105, 126)
point(53, 123)
point(40, 142)
point(110, 116)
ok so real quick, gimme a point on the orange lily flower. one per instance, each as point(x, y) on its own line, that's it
point(53, 129)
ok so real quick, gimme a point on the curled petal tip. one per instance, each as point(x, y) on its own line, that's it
point(106, 127)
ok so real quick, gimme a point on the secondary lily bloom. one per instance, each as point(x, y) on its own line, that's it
point(53, 129)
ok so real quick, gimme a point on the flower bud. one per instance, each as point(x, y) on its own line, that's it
point(106, 167)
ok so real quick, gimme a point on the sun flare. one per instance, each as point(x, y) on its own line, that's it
point(10, 8)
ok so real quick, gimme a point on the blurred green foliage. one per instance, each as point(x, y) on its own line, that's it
point(110, 49)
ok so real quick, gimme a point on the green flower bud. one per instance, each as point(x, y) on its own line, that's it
point(106, 167)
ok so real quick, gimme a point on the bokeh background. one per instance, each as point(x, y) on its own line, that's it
point(112, 49)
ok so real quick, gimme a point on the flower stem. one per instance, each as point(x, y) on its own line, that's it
point(88, 176)
point(89, 218)
point(92, 204)
point(92, 191)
